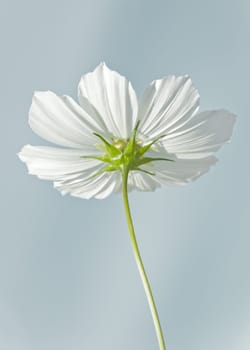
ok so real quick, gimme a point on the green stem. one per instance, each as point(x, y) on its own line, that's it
point(139, 262)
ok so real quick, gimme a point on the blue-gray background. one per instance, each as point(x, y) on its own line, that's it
point(67, 275)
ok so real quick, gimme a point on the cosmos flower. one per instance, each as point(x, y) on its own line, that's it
point(162, 138)
point(110, 142)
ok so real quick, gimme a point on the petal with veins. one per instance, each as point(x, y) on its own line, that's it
point(180, 171)
point(166, 104)
point(140, 181)
point(50, 163)
point(112, 97)
point(204, 134)
point(59, 119)
point(99, 186)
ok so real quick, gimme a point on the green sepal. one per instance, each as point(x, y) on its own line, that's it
point(146, 160)
point(112, 150)
point(125, 153)
point(146, 171)
point(107, 168)
point(145, 148)
point(104, 158)
point(131, 145)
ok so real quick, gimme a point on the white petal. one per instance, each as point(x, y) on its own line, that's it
point(113, 99)
point(140, 181)
point(59, 119)
point(51, 163)
point(181, 171)
point(204, 134)
point(166, 104)
point(99, 186)
point(71, 174)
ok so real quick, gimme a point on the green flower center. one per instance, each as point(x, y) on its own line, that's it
point(121, 153)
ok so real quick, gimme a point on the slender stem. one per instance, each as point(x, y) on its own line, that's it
point(139, 262)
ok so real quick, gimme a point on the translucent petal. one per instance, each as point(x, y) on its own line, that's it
point(204, 134)
point(51, 163)
point(142, 182)
point(99, 186)
point(59, 119)
point(111, 98)
point(181, 171)
point(166, 104)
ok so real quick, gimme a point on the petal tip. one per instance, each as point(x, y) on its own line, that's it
point(102, 66)
point(39, 93)
point(21, 153)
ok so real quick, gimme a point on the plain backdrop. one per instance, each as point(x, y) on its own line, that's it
point(68, 279)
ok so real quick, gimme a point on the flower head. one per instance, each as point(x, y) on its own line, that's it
point(162, 139)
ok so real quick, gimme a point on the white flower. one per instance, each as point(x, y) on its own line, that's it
point(162, 138)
